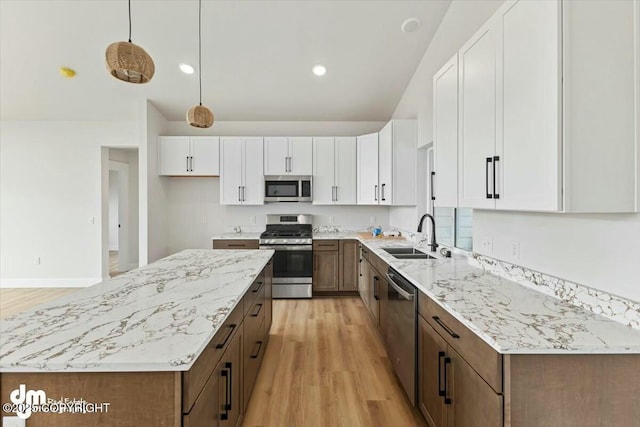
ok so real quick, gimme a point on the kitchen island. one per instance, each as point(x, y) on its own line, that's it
point(142, 346)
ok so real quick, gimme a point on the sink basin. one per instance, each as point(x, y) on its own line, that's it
point(413, 256)
point(407, 253)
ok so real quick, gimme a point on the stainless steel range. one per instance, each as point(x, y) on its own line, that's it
point(290, 237)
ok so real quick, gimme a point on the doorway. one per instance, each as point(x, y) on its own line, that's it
point(120, 211)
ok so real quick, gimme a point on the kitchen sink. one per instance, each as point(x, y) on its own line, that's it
point(407, 253)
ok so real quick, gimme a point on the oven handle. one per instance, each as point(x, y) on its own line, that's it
point(288, 248)
point(404, 294)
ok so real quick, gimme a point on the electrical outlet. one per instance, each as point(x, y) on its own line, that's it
point(13, 422)
point(372, 221)
point(36, 260)
point(486, 245)
point(92, 220)
point(515, 249)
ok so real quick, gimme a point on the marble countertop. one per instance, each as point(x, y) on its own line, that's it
point(155, 318)
point(511, 318)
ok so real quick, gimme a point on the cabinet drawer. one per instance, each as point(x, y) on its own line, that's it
point(194, 379)
point(235, 244)
point(326, 245)
point(254, 348)
point(482, 358)
point(254, 295)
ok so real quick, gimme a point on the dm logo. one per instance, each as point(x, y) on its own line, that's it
point(25, 400)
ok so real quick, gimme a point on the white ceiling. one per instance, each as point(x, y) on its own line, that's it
point(257, 57)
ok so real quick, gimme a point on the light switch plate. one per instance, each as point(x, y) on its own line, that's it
point(13, 422)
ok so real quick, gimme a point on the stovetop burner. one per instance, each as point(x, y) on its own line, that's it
point(287, 229)
point(286, 233)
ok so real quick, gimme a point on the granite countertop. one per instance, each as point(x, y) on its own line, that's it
point(155, 318)
point(511, 318)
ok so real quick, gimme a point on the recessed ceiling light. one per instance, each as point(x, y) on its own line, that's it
point(319, 70)
point(186, 68)
point(410, 25)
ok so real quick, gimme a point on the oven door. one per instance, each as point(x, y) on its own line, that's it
point(292, 264)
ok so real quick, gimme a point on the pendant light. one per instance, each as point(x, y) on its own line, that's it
point(200, 116)
point(129, 62)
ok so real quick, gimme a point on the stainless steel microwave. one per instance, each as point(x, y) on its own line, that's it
point(286, 188)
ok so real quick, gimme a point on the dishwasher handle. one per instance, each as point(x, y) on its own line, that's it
point(403, 293)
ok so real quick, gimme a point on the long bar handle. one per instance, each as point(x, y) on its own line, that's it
point(255, 356)
point(442, 391)
point(255, 314)
point(404, 294)
point(447, 400)
point(433, 177)
point(496, 159)
point(232, 327)
point(486, 177)
point(375, 193)
point(445, 327)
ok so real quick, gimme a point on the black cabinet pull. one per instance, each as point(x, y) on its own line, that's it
point(256, 290)
point(326, 244)
point(433, 194)
point(259, 344)
point(225, 414)
point(187, 163)
point(257, 311)
point(496, 159)
point(445, 327)
point(375, 193)
point(447, 400)
point(375, 287)
point(223, 343)
point(486, 177)
point(229, 366)
point(237, 245)
point(382, 188)
point(441, 390)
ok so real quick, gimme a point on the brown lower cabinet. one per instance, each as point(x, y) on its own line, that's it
point(335, 266)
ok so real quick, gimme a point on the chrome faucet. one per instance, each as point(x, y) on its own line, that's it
point(433, 245)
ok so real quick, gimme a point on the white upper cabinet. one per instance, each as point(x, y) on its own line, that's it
point(241, 177)
point(445, 135)
point(528, 149)
point(189, 155)
point(548, 110)
point(367, 169)
point(288, 156)
point(387, 165)
point(477, 109)
point(334, 171)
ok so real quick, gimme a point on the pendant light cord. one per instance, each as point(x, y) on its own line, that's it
point(199, 46)
point(129, 21)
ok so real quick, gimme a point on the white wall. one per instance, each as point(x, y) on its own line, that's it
point(114, 205)
point(51, 198)
point(130, 157)
point(153, 188)
point(600, 251)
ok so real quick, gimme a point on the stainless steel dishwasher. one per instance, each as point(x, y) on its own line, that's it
point(400, 330)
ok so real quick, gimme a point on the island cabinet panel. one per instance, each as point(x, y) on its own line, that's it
point(576, 390)
point(235, 244)
point(326, 265)
point(134, 398)
point(194, 379)
point(268, 298)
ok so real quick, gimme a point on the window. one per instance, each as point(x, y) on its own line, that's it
point(454, 227)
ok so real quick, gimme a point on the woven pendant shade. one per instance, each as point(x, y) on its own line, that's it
point(200, 117)
point(129, 62)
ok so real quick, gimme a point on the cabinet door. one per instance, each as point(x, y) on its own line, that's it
point(367, 155)
point(233, 394)
point(385, 161)
point(477, 133)
point(205, 155)
point(445, 134)
point(431, 353)
point(253, 191)
point(323, 171)
point(529, 150)
point(326, 267)
point(268, 298)
point(374, 296)
point(209, 406)
point(348, 265)
point(231, 160)
point(363, 282)
point(473, 402)
point(345, 171)
point(173, 155)
point(276, 153)
point(301, 156)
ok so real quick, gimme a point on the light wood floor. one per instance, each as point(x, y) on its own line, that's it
point(325, 365)
point(14, 301)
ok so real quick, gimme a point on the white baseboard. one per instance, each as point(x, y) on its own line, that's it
point(75, 282)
